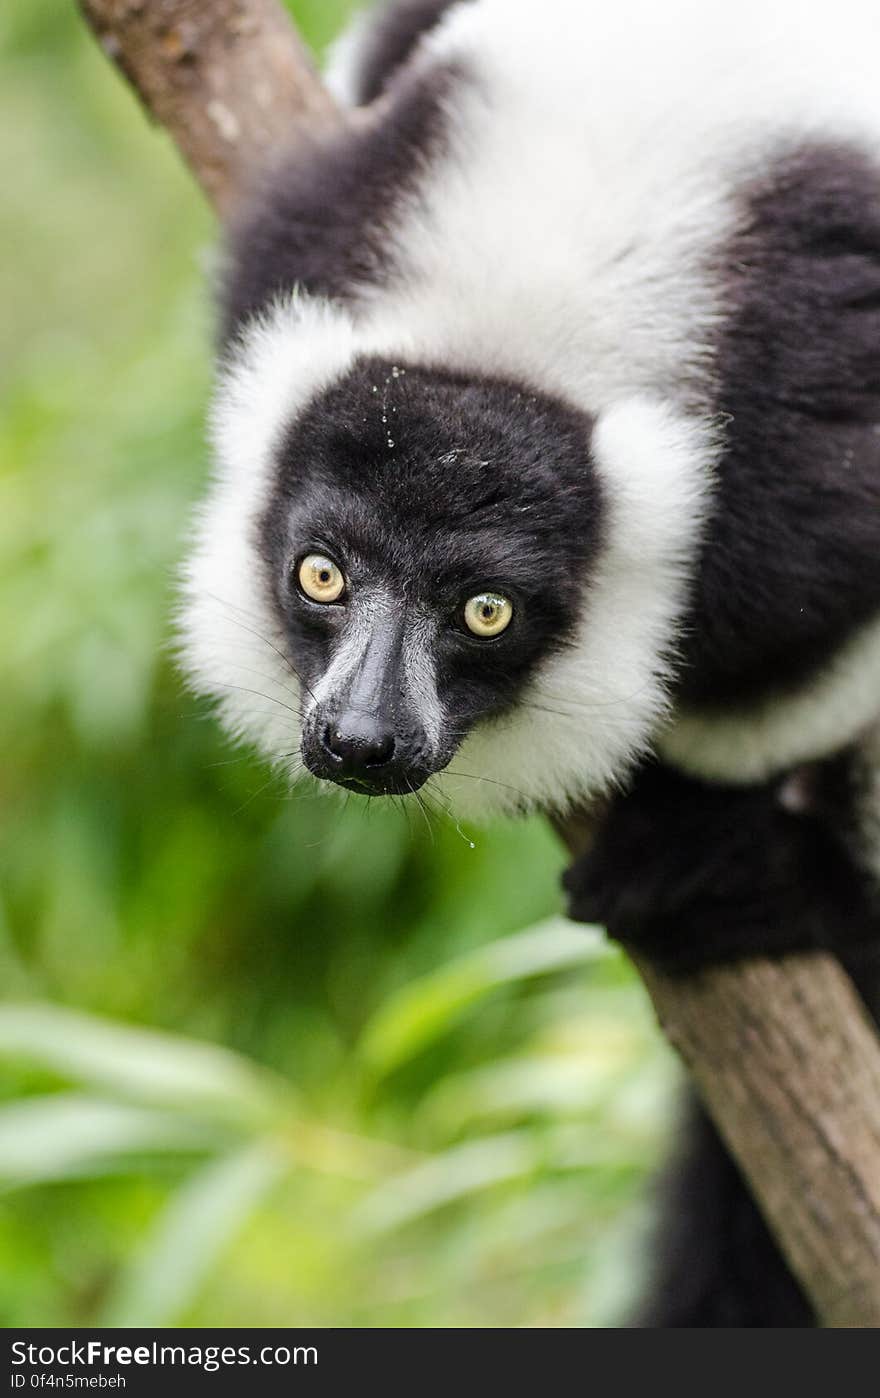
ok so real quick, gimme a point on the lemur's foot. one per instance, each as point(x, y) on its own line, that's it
point(693, 874)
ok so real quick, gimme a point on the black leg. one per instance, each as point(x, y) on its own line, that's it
point(693, 874)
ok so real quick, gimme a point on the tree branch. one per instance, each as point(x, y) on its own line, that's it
point(230, 81)
point(782, 1052)
point(787, 1063)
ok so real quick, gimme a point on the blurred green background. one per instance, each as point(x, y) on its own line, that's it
point(262, 1060)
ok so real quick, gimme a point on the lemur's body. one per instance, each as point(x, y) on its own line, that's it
point(587, 329)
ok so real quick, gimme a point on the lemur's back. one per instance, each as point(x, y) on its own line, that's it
point(615, 138)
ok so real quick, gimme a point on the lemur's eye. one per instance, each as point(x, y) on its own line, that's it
point(487, 614)
point(320, 578)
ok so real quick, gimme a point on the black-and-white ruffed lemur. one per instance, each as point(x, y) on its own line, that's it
point(548, 438)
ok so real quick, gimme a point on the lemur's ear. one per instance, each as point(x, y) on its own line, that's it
point(656, 466)
point(278, 361)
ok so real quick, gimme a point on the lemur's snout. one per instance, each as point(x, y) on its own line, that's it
point(359, 744)
point(366, 751)
point(365, 732)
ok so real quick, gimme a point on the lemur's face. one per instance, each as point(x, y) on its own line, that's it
point(425, 547)
point(403, 576)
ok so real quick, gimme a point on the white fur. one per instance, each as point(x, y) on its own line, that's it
point(348, 655)
point(566, 238)
point(420, 678)
point(343, 58)
point(752, 743)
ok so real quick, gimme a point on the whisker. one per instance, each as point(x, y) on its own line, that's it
point(557, 713)
point(260, 675)
point(256, 712)
point(260, 637)
point(235, 607)
point(291, 797)
point(439, 795)
point(228, 761)
point(270, 698)
point(259, 791)
point(401, 805)
point(423, 809)
point(471, 776)
point(589, 705)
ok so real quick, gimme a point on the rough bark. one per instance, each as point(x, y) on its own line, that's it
point(782, 1052)
point(788, 1065)
point(228, 79)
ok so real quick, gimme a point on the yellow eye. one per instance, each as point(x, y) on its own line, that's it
point(488, 614)
point(320, 578)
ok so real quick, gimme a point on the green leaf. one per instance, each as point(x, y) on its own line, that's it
point(190, 1236)
point(482, 1164)
point(427, 1008)
point(144, 1064)
point(72, 1136)
point(452, 1175)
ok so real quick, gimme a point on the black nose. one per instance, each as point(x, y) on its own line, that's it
point(357, 744)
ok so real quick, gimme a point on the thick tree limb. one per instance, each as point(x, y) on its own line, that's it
point(788, 1065)
point(230, 80)
point(782, 1052)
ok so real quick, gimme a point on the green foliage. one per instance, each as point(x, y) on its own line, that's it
point(263, 1059)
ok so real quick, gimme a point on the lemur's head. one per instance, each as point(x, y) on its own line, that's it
point(426, 544)
point(408, 574)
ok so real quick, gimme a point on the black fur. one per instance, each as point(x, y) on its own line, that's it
point(791, 562)
point(366, 475)
point(323, 219)
point(391, 39)
point(694, 874)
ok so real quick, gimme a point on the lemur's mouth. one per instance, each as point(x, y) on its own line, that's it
point(378, 783)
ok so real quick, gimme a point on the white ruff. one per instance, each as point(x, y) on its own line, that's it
point(749, 745)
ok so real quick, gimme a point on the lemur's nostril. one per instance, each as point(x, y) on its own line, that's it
point(382, 752)
point(359, 747)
